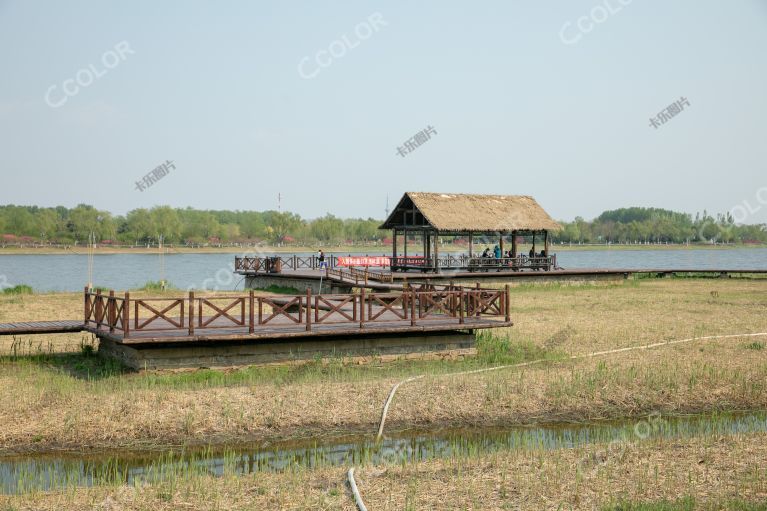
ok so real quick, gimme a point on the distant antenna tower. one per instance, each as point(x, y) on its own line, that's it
point(279, 202)
point(387, 205)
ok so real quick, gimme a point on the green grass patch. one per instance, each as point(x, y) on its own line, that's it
point(495, 349)
point(758, 346)
point(686, 504)
point(21, 289)
point(157, 286)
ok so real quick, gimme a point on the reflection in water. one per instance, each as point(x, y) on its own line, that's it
point(19, 475)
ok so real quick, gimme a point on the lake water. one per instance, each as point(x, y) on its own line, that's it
point(215, 271)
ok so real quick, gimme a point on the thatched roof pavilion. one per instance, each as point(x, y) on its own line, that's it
point(443, 214)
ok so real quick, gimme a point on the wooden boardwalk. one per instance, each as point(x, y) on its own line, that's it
point(42, 327)
point(394, 281)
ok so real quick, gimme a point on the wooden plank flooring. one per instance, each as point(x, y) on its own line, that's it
point(41, 327)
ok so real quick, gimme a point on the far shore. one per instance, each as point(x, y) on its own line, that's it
point(338, 249)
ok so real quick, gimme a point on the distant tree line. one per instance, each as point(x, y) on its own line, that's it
point(654, 225)
point(178, 226)
point(194, 226)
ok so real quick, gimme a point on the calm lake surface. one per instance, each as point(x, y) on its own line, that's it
point(214, 271)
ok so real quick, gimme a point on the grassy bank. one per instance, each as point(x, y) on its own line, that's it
point(54, 401)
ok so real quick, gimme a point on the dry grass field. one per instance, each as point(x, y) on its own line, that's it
point(57, 396)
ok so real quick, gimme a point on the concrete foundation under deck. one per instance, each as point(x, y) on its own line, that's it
point(220, 354)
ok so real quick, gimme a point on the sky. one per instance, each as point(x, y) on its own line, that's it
point(319, 103)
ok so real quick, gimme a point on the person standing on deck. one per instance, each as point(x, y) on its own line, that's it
point(321, 259)
point(497, 252)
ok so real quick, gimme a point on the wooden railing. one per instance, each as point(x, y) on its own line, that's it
point(275, 264)
point(248, 313)
point(520, 262)
point(107, 311)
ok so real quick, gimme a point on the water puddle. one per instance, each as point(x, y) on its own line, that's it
point(45, 472)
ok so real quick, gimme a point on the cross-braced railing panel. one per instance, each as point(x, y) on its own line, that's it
point(221, 315)
point(381, 303)
point(168, 313)
point(279, 310)
point(437, 303)
point(341, 308)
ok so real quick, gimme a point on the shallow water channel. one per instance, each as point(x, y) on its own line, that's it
point(45, 472)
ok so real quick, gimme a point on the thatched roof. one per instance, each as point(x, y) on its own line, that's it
point(462, 212)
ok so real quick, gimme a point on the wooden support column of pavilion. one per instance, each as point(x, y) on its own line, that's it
point(513, 244)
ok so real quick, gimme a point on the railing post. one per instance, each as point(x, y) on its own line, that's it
point(260, 310)
point(111, 311)
point(370, 307)
point(362, 306)
point(126, 315)
point(99, 315)
point(412, 306)
point(460, 306)
point(191, 312)
point(477, 299)
point(251, 313)
point(507, 304)
point(86, 305)
point(308, 309)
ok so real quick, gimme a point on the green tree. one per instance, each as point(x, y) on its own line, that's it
point(166, 223)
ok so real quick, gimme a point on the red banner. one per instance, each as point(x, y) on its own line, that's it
point(382, 261)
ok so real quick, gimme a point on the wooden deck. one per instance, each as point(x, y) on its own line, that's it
point(185, 319)
point(42, 327)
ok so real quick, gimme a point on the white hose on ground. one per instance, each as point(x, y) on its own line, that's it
point(573, 357)
point(355, 491)
point(388, 401)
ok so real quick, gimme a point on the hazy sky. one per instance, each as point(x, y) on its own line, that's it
point(312, 99)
